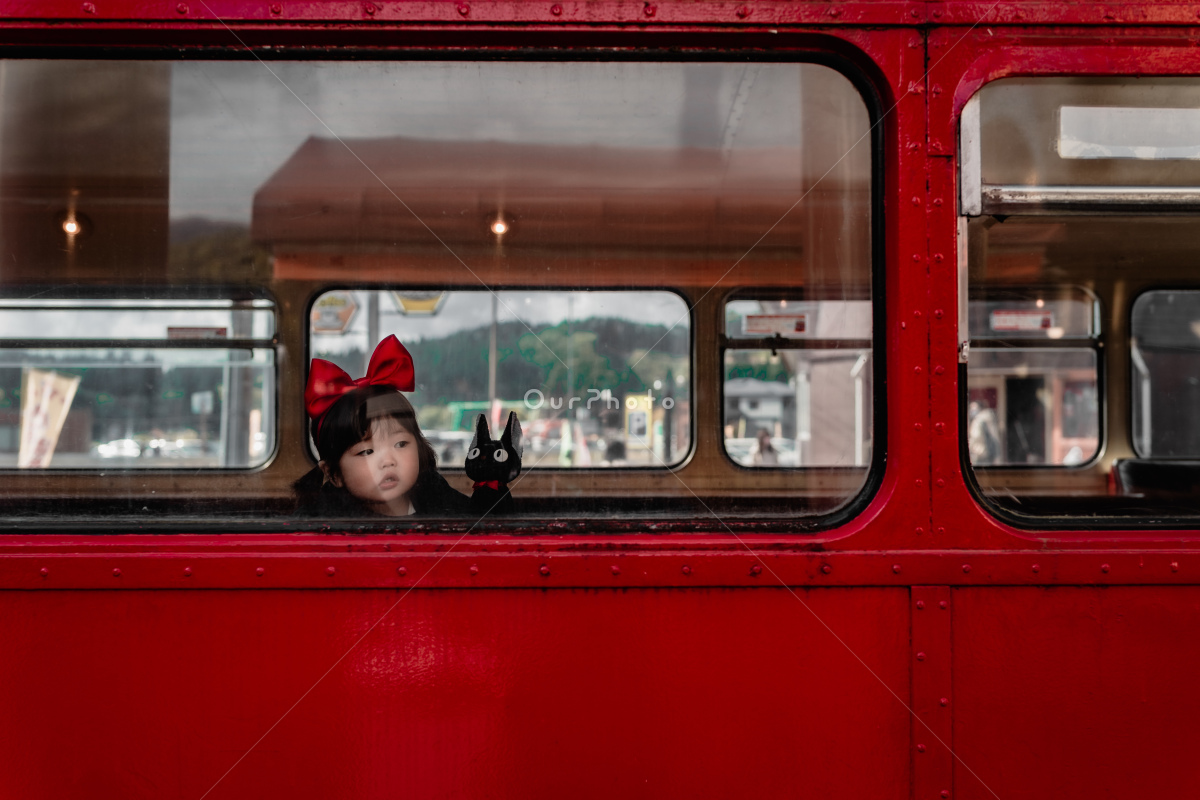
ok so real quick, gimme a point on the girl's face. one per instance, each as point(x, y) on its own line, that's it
point(381, 469)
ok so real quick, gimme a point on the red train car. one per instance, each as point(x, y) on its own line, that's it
point(855, 346)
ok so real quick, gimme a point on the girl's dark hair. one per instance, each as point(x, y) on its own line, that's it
point(349, 420)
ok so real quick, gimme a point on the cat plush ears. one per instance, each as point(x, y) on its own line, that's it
point(511, 438)
point(512, 435)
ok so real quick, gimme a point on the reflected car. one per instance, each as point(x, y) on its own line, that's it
point(118, 448)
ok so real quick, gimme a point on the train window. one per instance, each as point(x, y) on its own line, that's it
point(1079, 363)
point(1165, 347)
point(597, 378)
point(600, 218)
point(1032, 385)
point(119, 383)
point(797, 381)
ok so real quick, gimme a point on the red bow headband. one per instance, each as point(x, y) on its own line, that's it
point(391, 365)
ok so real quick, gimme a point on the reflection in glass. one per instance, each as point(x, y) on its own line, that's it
point(1032, 407)
point(136, 408)
point(598, 379)
point(1165, 329)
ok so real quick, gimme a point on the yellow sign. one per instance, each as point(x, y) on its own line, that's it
point(419, 303)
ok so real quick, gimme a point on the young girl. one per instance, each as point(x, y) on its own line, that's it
point(374, 459)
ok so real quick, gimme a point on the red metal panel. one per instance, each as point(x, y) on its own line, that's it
point(510, 693)
point(932, 736)
point(707, 563)
point(1077, 692)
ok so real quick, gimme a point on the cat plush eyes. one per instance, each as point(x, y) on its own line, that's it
point(500, 455)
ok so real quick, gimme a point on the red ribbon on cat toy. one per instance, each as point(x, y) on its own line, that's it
point(391, 365)
point(490, 484)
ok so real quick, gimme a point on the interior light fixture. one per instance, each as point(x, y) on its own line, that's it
point(499, 227)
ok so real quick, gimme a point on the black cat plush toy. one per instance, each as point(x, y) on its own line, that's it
point(493, 465)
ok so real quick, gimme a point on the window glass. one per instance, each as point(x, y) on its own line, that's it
point(806, 400)
point(103, 384)
point(598, 379)
point(1081, 298)
point(602, 213)
point(1165, 341)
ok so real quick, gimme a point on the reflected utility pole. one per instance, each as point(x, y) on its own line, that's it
point(492, 355)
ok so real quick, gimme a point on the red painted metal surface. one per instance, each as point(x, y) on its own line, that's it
point(1076, 692)
point(527, 666)
point(509, 693)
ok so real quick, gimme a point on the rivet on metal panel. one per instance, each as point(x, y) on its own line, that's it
point(940, 427)
point(181, 8)
point(917, 370)
point(920, 656)
point(1104, 567)
point(945, 701)
point(259, 571)
point(187, 572)
point(544, 569)
point(920, 748)
point(835, 12)
point(463, 9)
point(743, 12)
point(896, 568)
point(556, 10)
point(401, 571)
point(920, 483)
point(945, 793)
point(474, 570)
point(117, 572)
point(687, 570)
point(1037, 568)
point(920, 530)
point(916, 426)
point(941, 530)
point(937, 201)
point(89, 8)
point(368, 8)
point(616, 570)
point(938, 313)
point(826, 569)
point(43, 572)
point(920, 605)
point(650, 9)
point(903, 326)
point(943, 605)
point(939, 370)
point(916, 257)
point(331, 571)
point(276, 8)
point(1175, 564)
point(917, 313)
point(941, 482)
point(936, 89)
point(755, 569)
point(915, 13)
point(966, 568)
